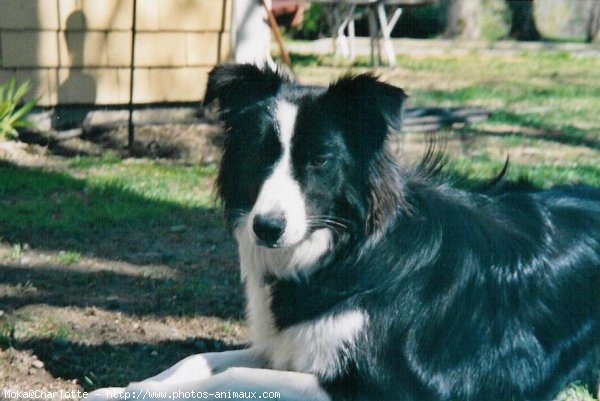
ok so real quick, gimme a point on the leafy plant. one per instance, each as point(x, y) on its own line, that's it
point(11, 115)
point(7, 331)
point(69, 257)
point(15, 252)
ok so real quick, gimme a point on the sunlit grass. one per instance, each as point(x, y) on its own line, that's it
point(544, 101)
point(97, 196)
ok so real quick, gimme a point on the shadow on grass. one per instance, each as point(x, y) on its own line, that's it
point(207, 292)
point(562, 133)
point(566, 134)
point(108, 365)
point(52, 211)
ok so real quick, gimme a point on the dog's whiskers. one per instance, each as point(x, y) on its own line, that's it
point(328, 221)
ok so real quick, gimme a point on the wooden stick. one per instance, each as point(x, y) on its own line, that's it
point(275, 29)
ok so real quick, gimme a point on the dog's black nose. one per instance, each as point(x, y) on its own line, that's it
point(268, 228)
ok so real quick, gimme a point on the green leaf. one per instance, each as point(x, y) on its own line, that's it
point(21, 91)
point(23, 124)
point(26, 108)
point(12, 115)
point(13, 134)
point(4, 110)
point(10, 89)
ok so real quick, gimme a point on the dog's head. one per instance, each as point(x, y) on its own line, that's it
point(301, 161)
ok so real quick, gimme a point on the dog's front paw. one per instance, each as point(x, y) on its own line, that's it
point(106, 394)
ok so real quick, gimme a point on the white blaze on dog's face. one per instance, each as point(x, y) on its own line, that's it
point(295, 176)
point(278, 218)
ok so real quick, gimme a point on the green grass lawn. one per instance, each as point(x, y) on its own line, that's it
point(544, 109)
point(92, 197)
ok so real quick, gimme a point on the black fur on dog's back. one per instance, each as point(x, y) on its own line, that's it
point(469, 296)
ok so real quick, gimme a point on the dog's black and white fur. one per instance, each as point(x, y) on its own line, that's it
point(366, 281)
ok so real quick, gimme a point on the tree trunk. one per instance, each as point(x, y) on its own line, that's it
point(463, 19)
point(522, 22)
point(593, 26)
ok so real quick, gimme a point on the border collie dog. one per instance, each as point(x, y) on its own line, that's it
point(365, 280)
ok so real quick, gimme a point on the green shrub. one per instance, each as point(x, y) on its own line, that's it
point(314, 24)
point(11, 115)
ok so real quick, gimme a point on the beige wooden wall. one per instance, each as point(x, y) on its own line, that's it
point(79, 51)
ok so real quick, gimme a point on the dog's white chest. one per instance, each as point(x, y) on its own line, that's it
point(318, 346)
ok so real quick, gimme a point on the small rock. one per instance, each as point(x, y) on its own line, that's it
point(154, 353)
point(25, 260)
point(37, 364)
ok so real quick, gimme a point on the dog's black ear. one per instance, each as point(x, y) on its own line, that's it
point(369, 100)
point(236, 86)
point(369, 110)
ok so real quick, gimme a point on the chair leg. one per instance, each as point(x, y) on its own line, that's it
point(386, 31)
point(372, 33)
point(352, 35)
point(345, 21)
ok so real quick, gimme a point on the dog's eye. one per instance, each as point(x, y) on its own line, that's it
point(318, 161)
